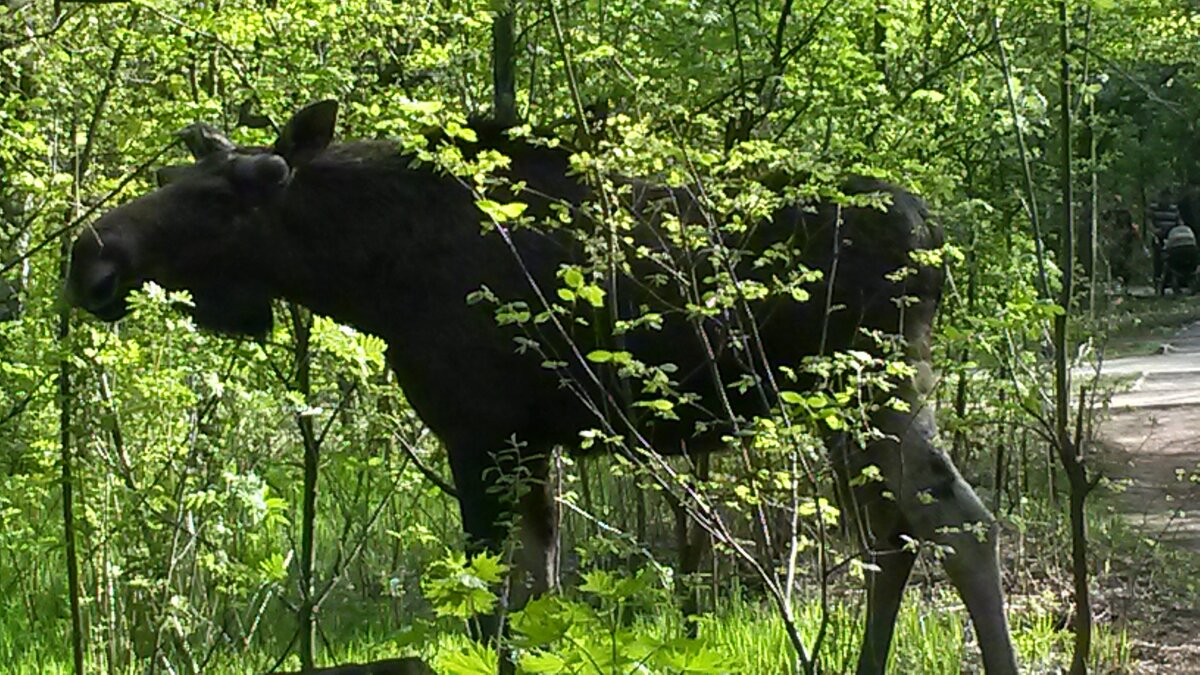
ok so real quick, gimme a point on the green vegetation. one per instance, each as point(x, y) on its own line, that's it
point(1142, 325)
point(744, 638)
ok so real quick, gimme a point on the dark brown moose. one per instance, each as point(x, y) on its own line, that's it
point(378, 240)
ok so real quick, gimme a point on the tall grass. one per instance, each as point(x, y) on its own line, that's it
point(932, 638)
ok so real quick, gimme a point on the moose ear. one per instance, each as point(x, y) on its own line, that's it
point(307, 134)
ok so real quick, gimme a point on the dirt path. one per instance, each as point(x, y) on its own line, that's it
point(1152, 434)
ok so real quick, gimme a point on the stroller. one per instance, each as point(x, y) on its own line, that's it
point(1179, 254)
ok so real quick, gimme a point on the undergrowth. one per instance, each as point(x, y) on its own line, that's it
point(933, 637)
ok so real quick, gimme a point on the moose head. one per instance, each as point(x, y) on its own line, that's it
point(203, 230)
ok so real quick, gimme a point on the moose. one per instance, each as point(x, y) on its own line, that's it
point(371, 236)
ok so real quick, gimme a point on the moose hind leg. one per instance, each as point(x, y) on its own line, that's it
point(538, 557)
point(940, 506)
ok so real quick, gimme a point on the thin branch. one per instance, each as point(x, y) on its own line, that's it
point(1031, 192)
point(59, 22)
point(20, 406)
point(431, 475)
point(54, 236)
point(342, 562)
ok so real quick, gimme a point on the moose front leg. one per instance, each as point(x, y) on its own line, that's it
point(892, 562)
point(493, 489)
point(487, 509)
point(877, 525)
point(974, 570)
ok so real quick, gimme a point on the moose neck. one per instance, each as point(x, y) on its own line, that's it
point(356, 230)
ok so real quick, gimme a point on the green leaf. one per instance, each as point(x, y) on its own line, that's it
point(691, 656)
point(835, 423)
point(817, 401)
point(543, 662)
point(600, 356)
point(501, 213)
point(474, 659)
point(929, 95)
point(659, 404)
point(593, 294)
point(572, 277)
point(456, 130)
point(456, 588)
point(791, 397)
point(489, 567)
point(542, 621)
point(598, 582)
point(273, 567)
point(418, 107)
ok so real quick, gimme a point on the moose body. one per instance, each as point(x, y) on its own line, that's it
point(364, 234)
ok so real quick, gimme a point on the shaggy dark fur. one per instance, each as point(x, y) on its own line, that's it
point(377, 240)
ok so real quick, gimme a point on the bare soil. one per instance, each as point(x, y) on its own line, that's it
point(1150, 449)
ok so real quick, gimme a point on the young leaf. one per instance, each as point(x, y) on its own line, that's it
point(501, 213)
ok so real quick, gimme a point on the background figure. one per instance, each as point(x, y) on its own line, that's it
point(1181, 257)
point(1125, 239)
point(1164, 216)
point(1189, 208)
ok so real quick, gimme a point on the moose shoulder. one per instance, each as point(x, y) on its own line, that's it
point(370, 237)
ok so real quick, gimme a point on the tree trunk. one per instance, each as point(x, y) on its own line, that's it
point(1068, 449)
point(504, 67)
point(1031, 207)
point(960, 451)
point(1094, 219)
point(302, 327)
point(585, 493)
point(1001, 462)
point(66, 479)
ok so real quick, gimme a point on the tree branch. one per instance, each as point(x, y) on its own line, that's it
point(431, 475)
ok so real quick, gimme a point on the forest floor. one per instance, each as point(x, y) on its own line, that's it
point(1150, 451)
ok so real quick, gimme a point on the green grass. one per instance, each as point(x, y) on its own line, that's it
point(1139, 326)
point(933, 633)
point(932, 638)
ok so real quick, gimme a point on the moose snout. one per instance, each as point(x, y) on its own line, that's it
point(97, 286)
